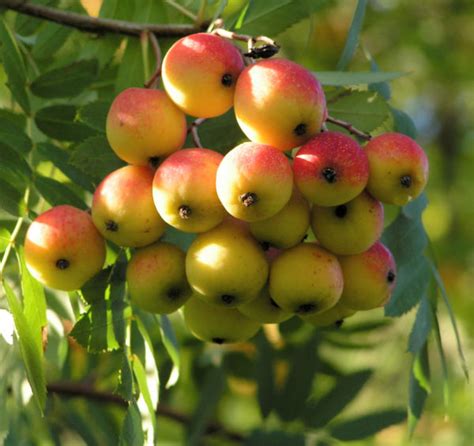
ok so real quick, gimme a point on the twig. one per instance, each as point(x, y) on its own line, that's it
point(150, 83)
point(193, 129)
point(71, 390)
point(97, 24)
point(186, 12)
point(350, 128)
point(251, 40)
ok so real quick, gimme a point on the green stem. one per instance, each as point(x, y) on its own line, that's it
point(183, 10)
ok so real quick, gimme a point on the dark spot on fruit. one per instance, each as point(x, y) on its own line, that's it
point(265, 246)
point(329, 174)
point(184, 212)
point(248, 199)
point(227, 299)
point(227, 80)
point(340, 211)
point(62, 264)
point(406, 181)
point(300, 129)
point(274, 303)
point(111, 226)
point(390, 276)
point(306, 308)
point(174, 293)
point(120, 123)
point(339, 323)
point(218, 340)
point(154, 161)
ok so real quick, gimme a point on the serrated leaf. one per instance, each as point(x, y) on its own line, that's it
point(365, 110)
point(421, 327)
point(367, 425)
point(57, 193)
point(11, 200)
point(264, 375)
point(15, 137)
point(417, 392)
point(210, 394)
point(13, 168)
point(126, 384)
point(66, 81)
point(130, 72)
point(132, 432)
point(353, 78)
point(58, 122)
point(91, 328)
point(94, 289)
point(271, 18)
point(60, 158)
point(412, 282)
point(50, 39)
point(353, 35)
point(95, 157)
point(275, 438)
point(94, 115)
point(403, 123)
point(30, 349)
point(14, 67)
point(168, 337)
point(318, 413)
point(303, 364)
point(34, 300)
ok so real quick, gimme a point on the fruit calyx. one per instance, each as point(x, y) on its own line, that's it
point(111, 226)
point(329, 174)
point(227, 80)
point(300, 129)
point(340, 211)
point(227, 299)
point(248, 199)
point(62, 264)
point(185, 212)
point(406, 181)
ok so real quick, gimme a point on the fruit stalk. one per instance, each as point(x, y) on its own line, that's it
point(349, 127)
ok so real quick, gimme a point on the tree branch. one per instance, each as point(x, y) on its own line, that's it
point(193, 129)
point(96, 24)
point(350, 128)
point(78, 390)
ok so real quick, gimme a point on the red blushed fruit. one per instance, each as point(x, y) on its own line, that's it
point(331, 169)
point(369, 278)
point(200, 72)
point(144, 125)
point(398, 168)
point(184, 190)
point(280, 103)
point(254, 181)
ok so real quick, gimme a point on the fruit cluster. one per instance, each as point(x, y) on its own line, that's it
point(251, 209)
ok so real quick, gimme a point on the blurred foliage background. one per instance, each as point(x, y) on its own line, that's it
point(433, 41)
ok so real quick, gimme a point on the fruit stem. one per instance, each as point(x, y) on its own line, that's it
point(269, 49)
point(350, 128)
point(193, 129)
point(153, 80)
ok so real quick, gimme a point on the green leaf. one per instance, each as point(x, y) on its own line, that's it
point(417, 392)
point(421, 327)
point(363, 327)
point(94, 115)
point(144, 380)
point(13, 168)
point(60, 158)
point(275, 438)
point(318, 413)
point(4, 239)
point(353, 35)
point(264, 375)
point(411, 284)
point(210, 394)
point(57, 193)
point(94, 289)
point(367, 425)
point(178, 238)
point(50, 39)
point(403, 123)
point(14, 67)
point(365, 110)
point(32, 353)
point(221, 133)
point(168, 337)
point(95, 157)
point(303, 364)
point(132, 432)
point(343, 78)
point(126, 385)
point(14, 136)
point(58, 122)
point(271, 18)
point(34, 300)
point(130, 72)
point(15, 118)
point(11, 200)
point(66, 81)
